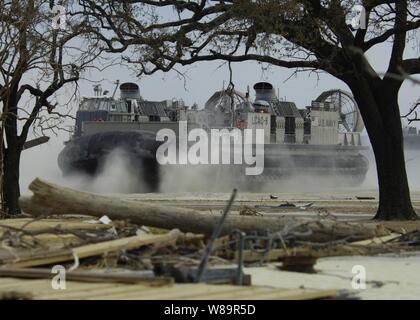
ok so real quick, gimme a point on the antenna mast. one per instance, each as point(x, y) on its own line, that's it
point(116, 87)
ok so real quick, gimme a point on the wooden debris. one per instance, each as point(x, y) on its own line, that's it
point(86, 276)
point(250, 256)
point(51, 233)
point(53, 199)
point(102, 248)
point(377, 240)
point(41, 289)
point(372, 246)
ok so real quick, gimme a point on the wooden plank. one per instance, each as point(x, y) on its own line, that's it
point(202, 290)
point(242, 293)
point(175, 292)
point(131, 293)
point(144, 293)
point(221, 293)
point(156, 292)
point(73, 289)
point(41, 289)
point(28, 285)
point(378, 240)
point(297, 294)
point(86, 276)
point(85, 291)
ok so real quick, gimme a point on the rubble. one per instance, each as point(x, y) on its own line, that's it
point(137, 242)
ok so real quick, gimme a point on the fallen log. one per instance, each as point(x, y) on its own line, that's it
point(51, 199)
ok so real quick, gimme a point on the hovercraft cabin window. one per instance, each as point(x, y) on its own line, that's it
point(290, 129)
point(273, 124)
point(154, 118)
point(307, 126)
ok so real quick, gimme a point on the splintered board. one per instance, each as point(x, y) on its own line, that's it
point(41, 289)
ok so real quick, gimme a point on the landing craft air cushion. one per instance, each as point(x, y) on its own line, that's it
point(322, 139)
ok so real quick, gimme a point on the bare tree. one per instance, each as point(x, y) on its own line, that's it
point(39, 56)
point(158, 35)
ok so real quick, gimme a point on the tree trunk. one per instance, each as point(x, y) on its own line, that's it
point(11, 190)
point(394, 192)
point(378, 102)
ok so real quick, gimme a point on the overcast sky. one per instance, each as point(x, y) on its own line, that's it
point(204, 78)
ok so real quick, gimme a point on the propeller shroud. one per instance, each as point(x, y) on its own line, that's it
point(350, 117)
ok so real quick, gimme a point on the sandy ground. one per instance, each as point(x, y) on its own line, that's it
point(340, 204)
point(387, 276)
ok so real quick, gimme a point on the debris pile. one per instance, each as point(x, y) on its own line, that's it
point(130, 241)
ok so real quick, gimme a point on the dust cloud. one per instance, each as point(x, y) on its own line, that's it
point(118, 175)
